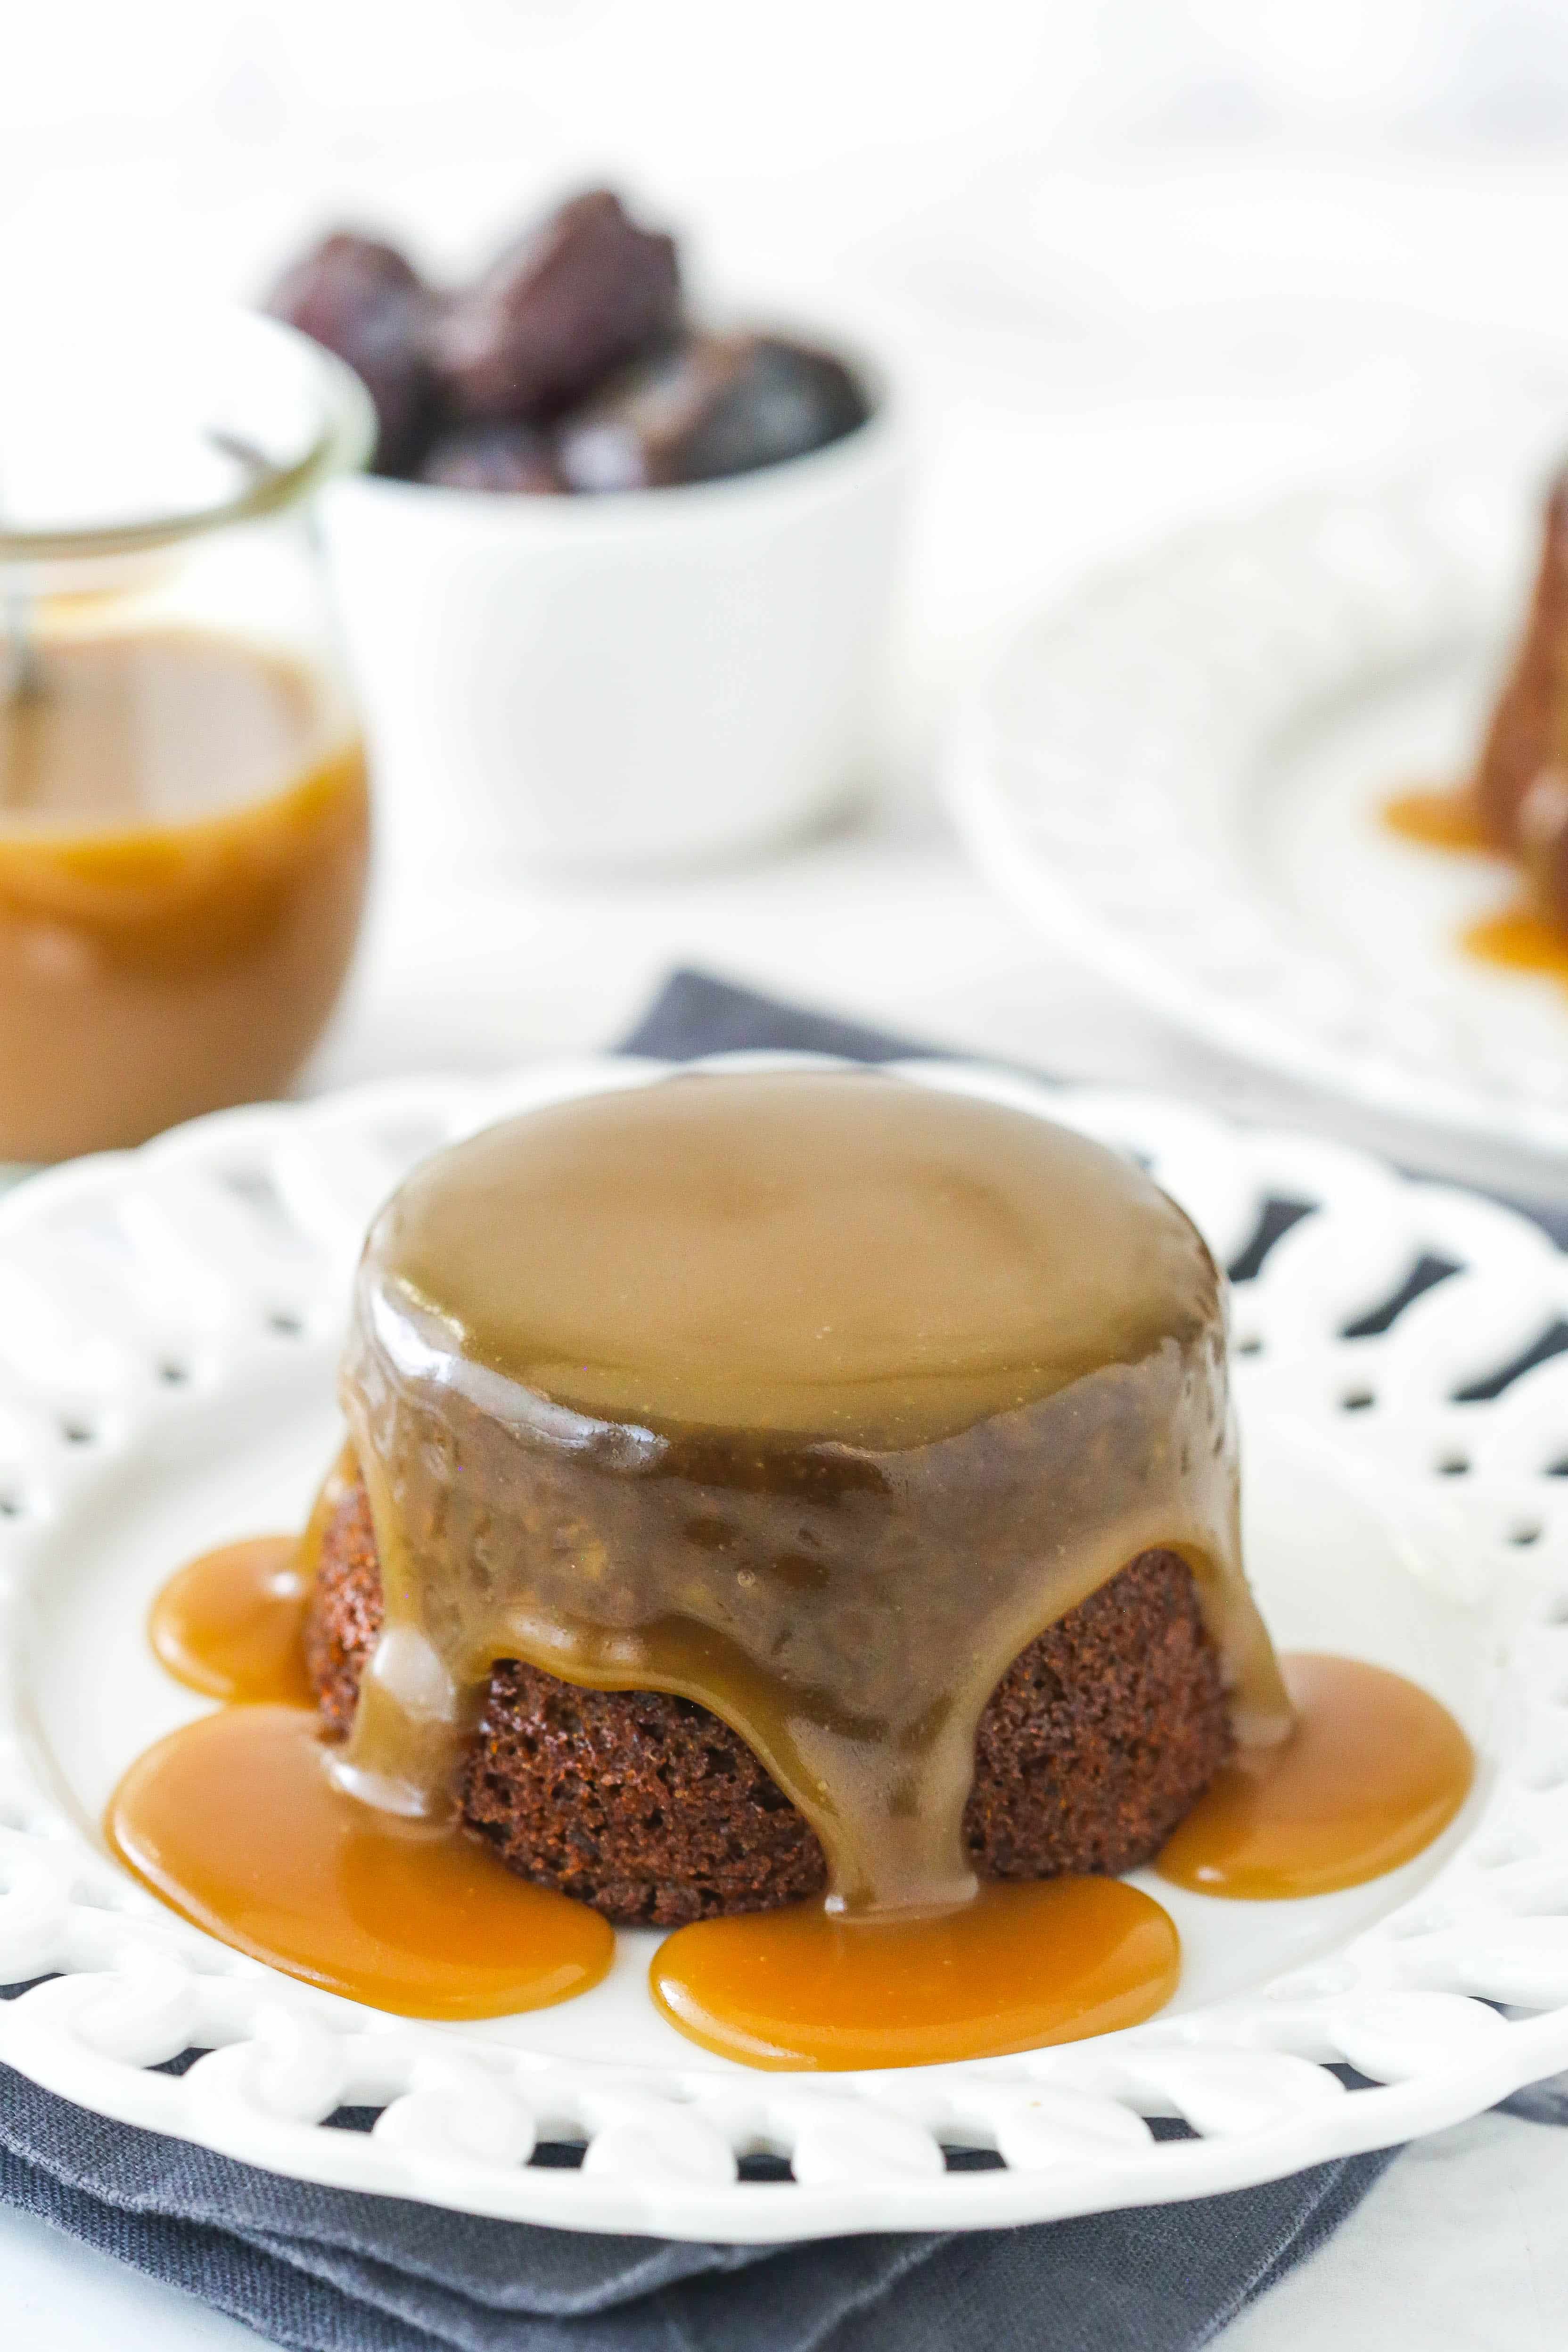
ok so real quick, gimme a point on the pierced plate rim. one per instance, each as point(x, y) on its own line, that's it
point(1412, 2002)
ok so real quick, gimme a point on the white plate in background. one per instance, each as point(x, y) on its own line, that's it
point(1179, 774)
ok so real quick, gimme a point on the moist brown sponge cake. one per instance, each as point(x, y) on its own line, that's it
point(1097, 1741)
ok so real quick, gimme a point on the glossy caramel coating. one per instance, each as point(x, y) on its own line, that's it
point(811, 1396)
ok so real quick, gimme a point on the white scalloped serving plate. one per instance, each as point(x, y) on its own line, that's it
point(1178, 777)
point(169, 1320)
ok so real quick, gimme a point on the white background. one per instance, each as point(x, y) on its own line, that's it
point(1137, 259)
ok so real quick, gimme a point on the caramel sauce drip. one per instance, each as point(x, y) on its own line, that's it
point(1020, 1966)
point(1520, 939)
point(232, 1623)
point(812, 1397)
point(183, 839)
point(1520, 936)
point(1373, 1771)
point(1439, 819)
point(238, 1824)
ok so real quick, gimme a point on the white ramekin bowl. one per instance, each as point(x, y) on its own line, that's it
point(657, 677)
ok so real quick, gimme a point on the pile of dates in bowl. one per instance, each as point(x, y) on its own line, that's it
point(568, 365)
point(561, 676)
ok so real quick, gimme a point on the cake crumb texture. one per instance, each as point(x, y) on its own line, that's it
point(1098, 1741)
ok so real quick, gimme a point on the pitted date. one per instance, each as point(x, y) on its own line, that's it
point(365, 302)
point(635, 433)
point(514, 458)
point(578, 296)
point(788, 401)
point(714, 405)
point(566, 367)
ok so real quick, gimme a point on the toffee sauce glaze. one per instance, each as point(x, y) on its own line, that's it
point(1520, 935)
point(821, 1453)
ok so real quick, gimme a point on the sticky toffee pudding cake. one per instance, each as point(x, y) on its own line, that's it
point(797, 1508)
point(833, 1407)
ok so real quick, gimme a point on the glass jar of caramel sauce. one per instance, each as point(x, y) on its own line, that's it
point(184, 823)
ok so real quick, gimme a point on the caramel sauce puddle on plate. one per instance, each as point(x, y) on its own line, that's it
point(1019, 1966)
point(239, 1824)
point(1374, 1769)
point(232, 1623)
point(1443, 817)
point(1518, 938)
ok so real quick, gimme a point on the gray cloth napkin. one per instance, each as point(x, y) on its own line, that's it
point(327, 2269)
